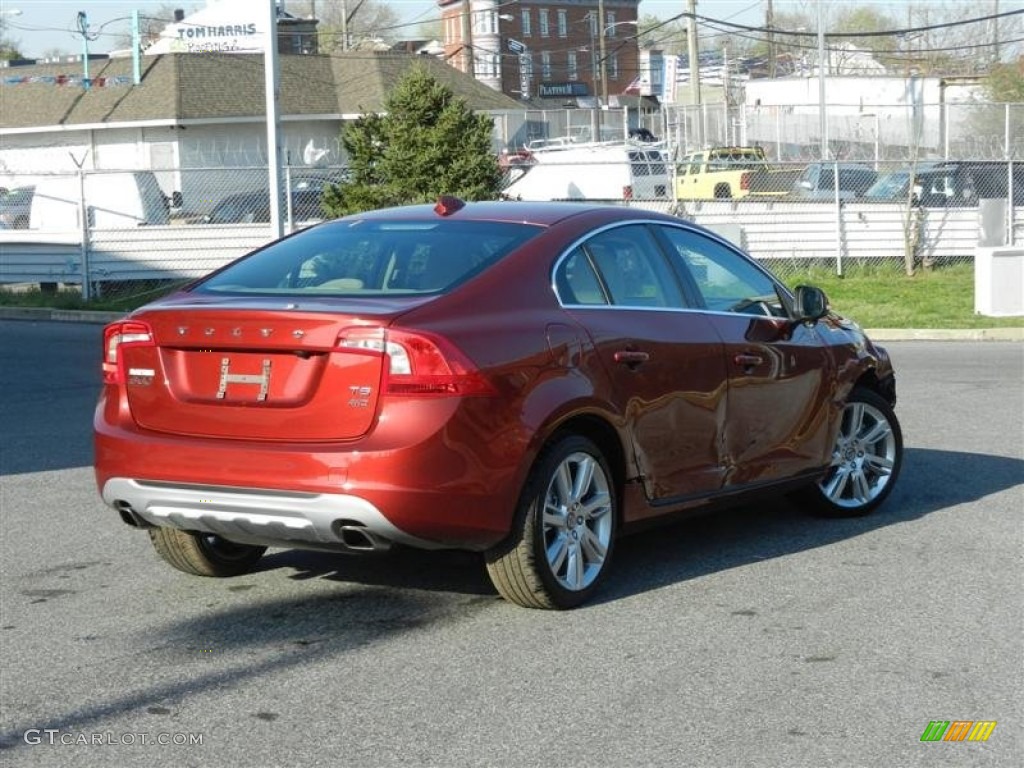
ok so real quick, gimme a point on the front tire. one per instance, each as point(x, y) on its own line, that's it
point(204, 554)
point(564, 530)
point(866, 459)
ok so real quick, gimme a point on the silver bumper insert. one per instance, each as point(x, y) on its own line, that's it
point(337, 522)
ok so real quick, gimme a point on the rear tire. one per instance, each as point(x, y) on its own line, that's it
point(204, 554)
point(564, 530)
point(866, 459)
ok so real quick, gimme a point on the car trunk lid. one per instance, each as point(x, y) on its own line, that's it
point(253, 375)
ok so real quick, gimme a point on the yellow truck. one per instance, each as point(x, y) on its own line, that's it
point(720, 173)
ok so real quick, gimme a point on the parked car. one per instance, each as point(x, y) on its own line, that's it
point(252, 207)
point(16, 207)
point(818, 181)
point(317, 179)
point(525, 380)
point(951, 184)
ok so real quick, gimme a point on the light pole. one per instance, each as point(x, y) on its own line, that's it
point(694, 56)
point(604, 56)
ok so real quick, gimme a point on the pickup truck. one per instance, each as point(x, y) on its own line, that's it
point(721, 173)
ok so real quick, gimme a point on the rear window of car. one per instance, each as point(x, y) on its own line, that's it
point(372, 258)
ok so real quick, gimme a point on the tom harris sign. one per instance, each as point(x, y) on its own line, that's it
point(222, 30)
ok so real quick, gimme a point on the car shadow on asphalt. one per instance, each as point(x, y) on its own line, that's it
point(685, 549)
point(406, 591)
point(243, 639)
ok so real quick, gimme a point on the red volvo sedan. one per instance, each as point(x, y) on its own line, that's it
point(523, 380)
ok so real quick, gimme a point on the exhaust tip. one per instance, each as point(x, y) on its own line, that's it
point(357, 537)
point(129, 516)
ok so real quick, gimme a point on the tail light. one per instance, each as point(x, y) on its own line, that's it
point(627, 192)
point(116, 336)
point(745, 180)
point(418, 363)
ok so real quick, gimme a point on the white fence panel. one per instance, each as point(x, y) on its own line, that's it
point(145, 253)
point(180, 252)
point(776, 230)
point(788, 229)
point(33, 257)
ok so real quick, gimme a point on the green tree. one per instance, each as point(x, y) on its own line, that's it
point(8, 47)
point(785, 48)
point(352, 24)
point(9, 50)
point(425, 143)
point(151, 24)
point(667, 36)
point(1005, 83)
point(858, 19)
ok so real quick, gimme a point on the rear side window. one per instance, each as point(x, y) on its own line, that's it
point(371, 258)
point(576, 281)
point(632, 269)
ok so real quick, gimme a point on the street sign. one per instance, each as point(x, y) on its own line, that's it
point(515, 46)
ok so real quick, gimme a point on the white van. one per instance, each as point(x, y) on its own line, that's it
point(590, 172)
point(114, 200)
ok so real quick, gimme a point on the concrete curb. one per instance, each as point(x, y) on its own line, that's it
point(876, 334)
point(60, 315)
point(946, 334)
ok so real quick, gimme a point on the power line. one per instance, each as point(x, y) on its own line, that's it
point(884, 33)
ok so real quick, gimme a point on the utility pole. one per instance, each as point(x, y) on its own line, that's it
point(344, 25)
point(136, 49)
point(604, 72)
point(467, 38)
point(995, 34)
point(691, 35)
point(593, 53)
point(769, 23)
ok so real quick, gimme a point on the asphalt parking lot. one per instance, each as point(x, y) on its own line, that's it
point(758, 637)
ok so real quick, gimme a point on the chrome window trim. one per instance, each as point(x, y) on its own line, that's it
point(680, 225)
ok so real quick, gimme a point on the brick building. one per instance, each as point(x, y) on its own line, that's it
point(580, 51)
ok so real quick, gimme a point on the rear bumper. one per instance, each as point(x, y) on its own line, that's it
point(432, 480)
point(270, 518)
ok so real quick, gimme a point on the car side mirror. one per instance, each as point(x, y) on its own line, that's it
point(176, 199)
point(811, 303)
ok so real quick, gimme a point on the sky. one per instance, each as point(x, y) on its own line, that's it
point(44, 25)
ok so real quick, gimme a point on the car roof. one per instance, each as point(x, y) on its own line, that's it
point(513, 211)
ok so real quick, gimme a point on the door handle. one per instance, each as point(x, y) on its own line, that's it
point(631, 357)
point(748, 361)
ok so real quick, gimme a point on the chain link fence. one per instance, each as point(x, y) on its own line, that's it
point(918, 186)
